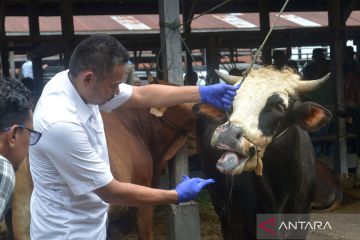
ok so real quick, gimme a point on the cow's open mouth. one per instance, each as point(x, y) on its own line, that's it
point(230, 161)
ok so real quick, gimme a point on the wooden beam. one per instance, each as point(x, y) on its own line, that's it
point(171, 50)
point(34, 27)
point(67, 28)
point(2, 18)
point(171, 55)
point(228, 39)
point(188, 14)
point(48, 49)
point(337, 44)
point(3, 44)
point(348, 9)
point(51, 8)
point(212, 59)
point(264, 29)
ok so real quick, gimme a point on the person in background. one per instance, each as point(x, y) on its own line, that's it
point(351, 78)
point(73, 184)
point(281, 60)
point(317, 68)
point(16, 134)
point(191, 78)
point(27, 74)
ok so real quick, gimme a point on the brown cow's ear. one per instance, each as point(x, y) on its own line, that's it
point(312, 116)
point(209, 112)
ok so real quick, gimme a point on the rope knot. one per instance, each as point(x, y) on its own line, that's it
point(173, 26)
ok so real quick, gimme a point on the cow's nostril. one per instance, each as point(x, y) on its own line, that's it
point(252, 151)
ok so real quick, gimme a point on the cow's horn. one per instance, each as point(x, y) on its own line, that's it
point(307, 86)
point(229, 79)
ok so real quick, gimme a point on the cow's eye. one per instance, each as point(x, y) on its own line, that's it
point(281, 107)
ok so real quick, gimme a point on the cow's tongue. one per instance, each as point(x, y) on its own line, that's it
point(229, 161)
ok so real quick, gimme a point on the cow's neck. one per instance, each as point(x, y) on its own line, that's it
point(283, 166)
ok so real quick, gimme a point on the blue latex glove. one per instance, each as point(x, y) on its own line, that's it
point(189, 188)
point(219, 95)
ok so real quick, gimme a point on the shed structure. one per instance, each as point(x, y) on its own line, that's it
point(48, 27)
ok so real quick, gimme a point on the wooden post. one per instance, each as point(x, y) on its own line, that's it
point(185, 217)
point(12, 64)
point(35, 32)
point(67, 28)
point(337, 44)
point(3, 44)
point(264, 29)
point(171, 50)
point(188, 13)
point(212, 60)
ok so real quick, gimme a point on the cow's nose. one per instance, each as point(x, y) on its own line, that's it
point(236, 131)
point(227, 136)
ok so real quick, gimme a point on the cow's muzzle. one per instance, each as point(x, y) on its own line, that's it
point(238, 151)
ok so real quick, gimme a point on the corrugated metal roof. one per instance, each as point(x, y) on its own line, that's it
point(143, 23)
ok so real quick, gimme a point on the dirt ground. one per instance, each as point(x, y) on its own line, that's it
point(210, 226)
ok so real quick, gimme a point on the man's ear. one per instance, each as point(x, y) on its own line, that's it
point(209, 112)
point(12, 135)
point(312, 116)
point(88, 77)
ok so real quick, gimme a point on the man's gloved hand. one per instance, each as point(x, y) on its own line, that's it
point(219, 95)
point(189, 188)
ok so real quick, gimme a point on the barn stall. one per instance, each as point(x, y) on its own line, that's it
point(339, 26)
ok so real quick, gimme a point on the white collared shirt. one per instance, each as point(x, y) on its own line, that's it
point(68, 163)
point(27, 70)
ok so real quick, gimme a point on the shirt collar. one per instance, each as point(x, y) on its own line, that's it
point(83, 110)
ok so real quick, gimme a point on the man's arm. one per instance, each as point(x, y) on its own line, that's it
point(128, 194)
point(219, 95)
point(84, 171)
point(162, 95)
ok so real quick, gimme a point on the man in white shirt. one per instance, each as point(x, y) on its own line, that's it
point(27, 74)
point(26, 68)
point(70, 166)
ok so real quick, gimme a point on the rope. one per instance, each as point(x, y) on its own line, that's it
point(190, 53)
point(245, 74)
point(208, 11)
point(175, 26)
point(262, 45)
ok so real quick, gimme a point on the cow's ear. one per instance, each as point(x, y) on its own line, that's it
point(312, 116)
point(209, 112)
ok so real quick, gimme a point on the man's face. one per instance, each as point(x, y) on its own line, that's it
point(104, 89)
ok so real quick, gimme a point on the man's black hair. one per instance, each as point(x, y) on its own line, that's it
point(98, 53)
point(15, 104)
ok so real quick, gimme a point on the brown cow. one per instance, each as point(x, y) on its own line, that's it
point(139, 146)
